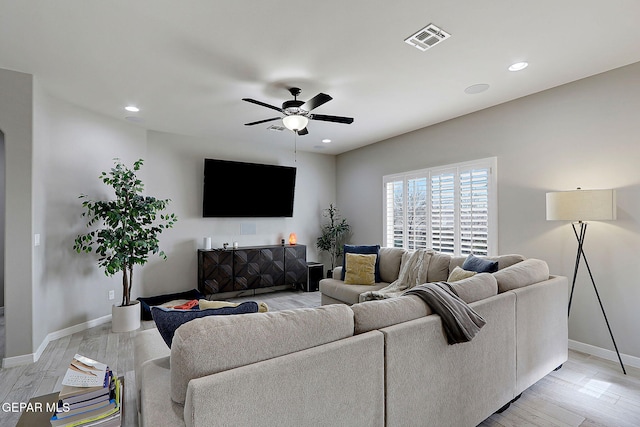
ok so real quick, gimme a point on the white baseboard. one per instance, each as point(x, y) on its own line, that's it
point(603, 353)
point(10, 362)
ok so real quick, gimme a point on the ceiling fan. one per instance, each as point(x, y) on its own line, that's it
point(298, 113)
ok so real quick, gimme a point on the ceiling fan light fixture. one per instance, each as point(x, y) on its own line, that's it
point(295, 122)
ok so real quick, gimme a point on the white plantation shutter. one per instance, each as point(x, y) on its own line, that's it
point(417, 213)
point(451, 209)
point(394, 204)
point(443, 212)
point(474, 211)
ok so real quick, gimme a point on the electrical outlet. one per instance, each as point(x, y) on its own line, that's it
point(112, 294)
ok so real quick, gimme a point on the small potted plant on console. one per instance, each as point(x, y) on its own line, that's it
point(333, 233)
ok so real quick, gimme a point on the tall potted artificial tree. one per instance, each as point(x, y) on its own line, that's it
point(333, 234)
point(124, 233)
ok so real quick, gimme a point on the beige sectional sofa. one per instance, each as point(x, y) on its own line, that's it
point(374, 363)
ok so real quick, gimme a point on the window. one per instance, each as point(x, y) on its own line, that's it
point(451, 209)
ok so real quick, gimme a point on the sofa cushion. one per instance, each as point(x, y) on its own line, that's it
point(361, 249)
point(389, 263)
point(168, 320)
point(350, 294)
point(458, 273)
point(507, 260)
point(479, 265)
point(524, 273)
point(360, 269)
point(217, 343)
point(371, 315)
point(438, 269)
point(503, 260)
point(476, 288)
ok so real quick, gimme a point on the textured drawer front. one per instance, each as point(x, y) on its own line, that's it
point(229, 270)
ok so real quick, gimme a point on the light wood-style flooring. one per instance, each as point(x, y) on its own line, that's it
point(586, 392)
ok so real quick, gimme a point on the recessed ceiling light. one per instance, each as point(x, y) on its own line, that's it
point(326, 140)
point(479, 88)
point(132, 108)
point(518, 66)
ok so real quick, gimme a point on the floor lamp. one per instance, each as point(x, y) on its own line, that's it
point(579, 206)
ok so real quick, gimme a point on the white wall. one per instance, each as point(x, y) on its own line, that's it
point(581, 134)
point(72, 146)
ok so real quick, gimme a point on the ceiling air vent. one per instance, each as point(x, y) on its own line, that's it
point(427, 37)
point(276, 128)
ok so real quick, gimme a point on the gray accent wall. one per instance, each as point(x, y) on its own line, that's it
point(583, 134)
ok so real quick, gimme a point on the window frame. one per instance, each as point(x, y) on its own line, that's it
point(458, 169)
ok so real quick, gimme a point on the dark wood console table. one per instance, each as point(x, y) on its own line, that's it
point(252, 267)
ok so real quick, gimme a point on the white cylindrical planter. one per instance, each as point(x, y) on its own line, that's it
point(125, 318)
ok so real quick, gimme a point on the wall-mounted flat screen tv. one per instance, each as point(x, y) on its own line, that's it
point(239, 189)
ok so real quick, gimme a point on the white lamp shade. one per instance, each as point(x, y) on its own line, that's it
point(582, 205)
point(295, 122)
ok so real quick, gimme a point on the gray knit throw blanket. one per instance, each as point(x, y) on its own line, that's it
point(461, 322)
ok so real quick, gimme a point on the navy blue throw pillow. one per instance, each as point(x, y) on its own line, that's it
point(361, 249)
point(479, 265)
point(169, 319)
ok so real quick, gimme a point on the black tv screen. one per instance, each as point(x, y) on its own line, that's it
point(239, 189)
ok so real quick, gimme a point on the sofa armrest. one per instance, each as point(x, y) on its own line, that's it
point(542, 329)
point(148, 345)
point(156, 407)
point(337, 273)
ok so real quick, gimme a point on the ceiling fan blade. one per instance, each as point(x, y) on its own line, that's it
point(262, 121)
point(253, 101)
point(335, 119)
point(303, 132)
point(316, 101)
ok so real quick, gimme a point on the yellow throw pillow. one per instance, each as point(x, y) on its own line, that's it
point(459, 274)
point(360, 269)
point(204, 304)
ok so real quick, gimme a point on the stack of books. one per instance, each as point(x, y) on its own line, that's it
point(91, 396)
